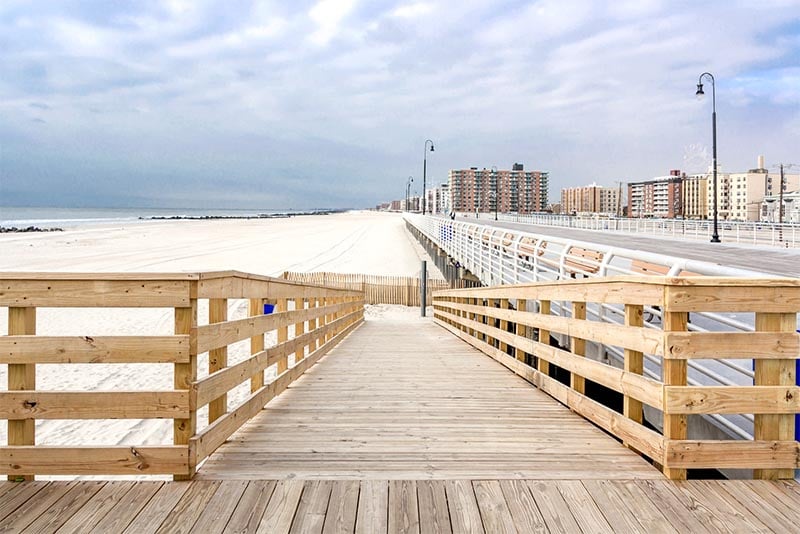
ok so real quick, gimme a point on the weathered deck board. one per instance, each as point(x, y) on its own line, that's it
point(409, 401)
point(408, 506)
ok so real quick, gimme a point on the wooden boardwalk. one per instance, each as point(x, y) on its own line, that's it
point(405, 429)
point(422, 506)
point(411, 401)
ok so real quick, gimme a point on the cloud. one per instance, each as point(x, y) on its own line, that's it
point(329, 101)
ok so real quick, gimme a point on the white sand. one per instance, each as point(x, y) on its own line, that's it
point(359, 242)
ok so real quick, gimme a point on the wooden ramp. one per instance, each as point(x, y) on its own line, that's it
point(408, 400)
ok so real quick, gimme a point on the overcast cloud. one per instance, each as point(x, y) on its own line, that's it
point(301, 104)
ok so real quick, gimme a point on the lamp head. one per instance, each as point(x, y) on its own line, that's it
point(431, 147)
point(699, 94)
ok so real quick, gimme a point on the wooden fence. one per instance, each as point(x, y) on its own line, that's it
point(520, 340)
point(321, 316)
point(404, 290)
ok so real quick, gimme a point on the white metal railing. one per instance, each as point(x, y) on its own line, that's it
point(748, 233)
point(504, 256)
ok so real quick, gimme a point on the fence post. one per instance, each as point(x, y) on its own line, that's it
point(256, 307)
point(423, 287)
point(503, 324)
point(22, 376)
point(217, 358)
point(544, 337)
point(521, 329)
point(577, 382)
point(633, 363)
point(183, 376)
point(299, 330)
point(774, 427)
point(674, 374)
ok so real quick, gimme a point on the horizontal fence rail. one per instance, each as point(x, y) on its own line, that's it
point(317, 318)
point(403, 290)
point(749, 233)
point(514, 325)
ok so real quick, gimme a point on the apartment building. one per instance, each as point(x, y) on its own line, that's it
point(476, 190)
point(660, 197)
point(694, 193)
point(589, 199)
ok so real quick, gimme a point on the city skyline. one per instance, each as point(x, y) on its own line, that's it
point(328, 104)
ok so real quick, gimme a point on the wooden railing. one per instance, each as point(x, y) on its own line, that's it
point(403, 290)
point(318, 317)
point(496, 321)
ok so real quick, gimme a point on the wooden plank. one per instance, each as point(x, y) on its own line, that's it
point(250, 509)
point(222, 334)
point(256, 307)
point(526, 515)
point(633, 362)
point(732, 399)
point(775, 373)
point(19, 495)
point(683, 513)
point(21, 405)
point(765, 511)
point(184, 374)
point(310, 515)
point(282, 505)
point(733, 299)
point(60, 511)
point(674, 373)
point(644, 340)
point(127, 508)
point(434, 517)
point(543, 365)
point(584, 510)
point(87, 517)
point(94, 293)
point(732, 345)
point(373, 507)
point(343, 508)
point(737, 518)
point(31, 349)
point(554, 509)
point(215, 515)
point(21, 377)
point(217, 357)
point(299, 330)
point(155, 512)
point(495, 513)
point(625, 494)
point(403, 508)
point(28, 511)
point(715, 454)
point(189, 508)
point(578, 382)
point(465, 515)
point(113, 460)
point(521, 329)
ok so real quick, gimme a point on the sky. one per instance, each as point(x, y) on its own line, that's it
point(278, 105)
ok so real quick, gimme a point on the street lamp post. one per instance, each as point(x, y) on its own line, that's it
point(496, 199)
point(408, 190)
point(699, 94)
point(425, 172)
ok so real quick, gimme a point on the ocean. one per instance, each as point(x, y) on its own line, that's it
point(71, 217)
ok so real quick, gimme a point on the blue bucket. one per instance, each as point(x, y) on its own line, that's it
point(269, 308)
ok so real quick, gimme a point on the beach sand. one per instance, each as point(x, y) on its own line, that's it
point(356, 242)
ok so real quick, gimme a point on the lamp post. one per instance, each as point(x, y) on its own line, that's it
point(408, 190)
point(425, 171)
point(699, 94)
point(496, 199)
